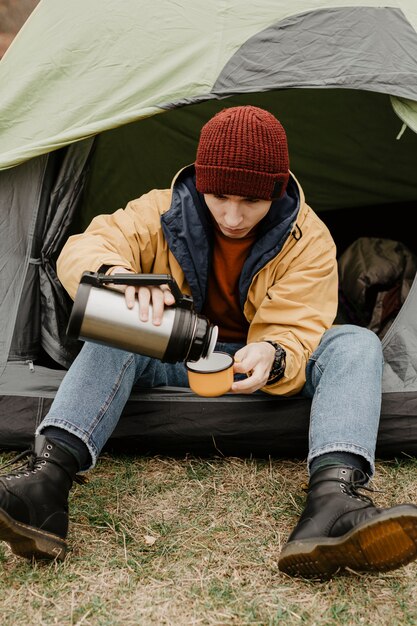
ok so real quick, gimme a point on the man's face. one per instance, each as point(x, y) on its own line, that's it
point(235, 215)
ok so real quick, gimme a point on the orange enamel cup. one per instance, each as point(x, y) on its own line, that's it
point(212, 376)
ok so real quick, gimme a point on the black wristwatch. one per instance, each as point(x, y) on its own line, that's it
point(278, 366)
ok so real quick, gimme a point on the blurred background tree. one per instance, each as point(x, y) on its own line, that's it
point(13, 14)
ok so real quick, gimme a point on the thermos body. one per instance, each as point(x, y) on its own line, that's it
point(100, 315)
point(107, 320)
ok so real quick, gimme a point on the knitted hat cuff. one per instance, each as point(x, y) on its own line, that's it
point(224, 180)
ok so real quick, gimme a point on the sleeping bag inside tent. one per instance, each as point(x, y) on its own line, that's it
point(107, 111)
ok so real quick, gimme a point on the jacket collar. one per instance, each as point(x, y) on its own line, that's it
point(188, 231)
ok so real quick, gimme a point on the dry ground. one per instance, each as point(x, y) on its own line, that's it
point(158, 541)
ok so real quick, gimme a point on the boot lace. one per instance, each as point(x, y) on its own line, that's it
point(355, 488)
point(31, 463)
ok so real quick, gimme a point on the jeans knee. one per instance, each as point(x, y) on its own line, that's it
point(101, 356)
point(361, 343)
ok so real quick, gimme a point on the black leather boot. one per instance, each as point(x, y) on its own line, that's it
point(341, 528)
point(34, 501)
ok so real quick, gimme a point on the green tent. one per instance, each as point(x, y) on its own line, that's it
point(103, 100)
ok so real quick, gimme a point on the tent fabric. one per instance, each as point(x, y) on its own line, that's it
point(20, 189)
point(112, 106)
point(175, 422)
point(400, 348)
point(406, 110)
point(321, 44)
point(109, 63)
point(34, 309)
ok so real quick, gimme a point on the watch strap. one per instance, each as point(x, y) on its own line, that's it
point(278, 366)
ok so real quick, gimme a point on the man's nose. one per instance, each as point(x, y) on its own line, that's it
point(233, 215)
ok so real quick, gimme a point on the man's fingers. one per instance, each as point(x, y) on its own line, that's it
point(155, 295)
point(168, 297)
point(257, 376)
point(157, 305)
point(239, 367)
point(244, 386)
point(130, 295)
point(144, 297)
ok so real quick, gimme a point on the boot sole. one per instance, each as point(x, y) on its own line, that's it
point(379, 545)
point(30, 542)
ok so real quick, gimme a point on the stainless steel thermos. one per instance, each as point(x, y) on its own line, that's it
point(100, 314)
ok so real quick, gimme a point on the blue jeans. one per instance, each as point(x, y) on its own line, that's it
point(343, 378)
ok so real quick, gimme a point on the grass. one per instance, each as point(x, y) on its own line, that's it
point(184, 542)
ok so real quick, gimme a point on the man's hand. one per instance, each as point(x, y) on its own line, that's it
point(159, 295)
point(256, 360)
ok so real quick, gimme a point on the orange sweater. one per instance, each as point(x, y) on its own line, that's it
point(222, 305)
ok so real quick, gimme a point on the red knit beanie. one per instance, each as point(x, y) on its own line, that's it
point(243, 152)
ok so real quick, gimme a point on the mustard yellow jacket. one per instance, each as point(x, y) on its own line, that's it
point(289, 284)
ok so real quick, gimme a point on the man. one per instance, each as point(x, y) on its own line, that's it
point(235, 231)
